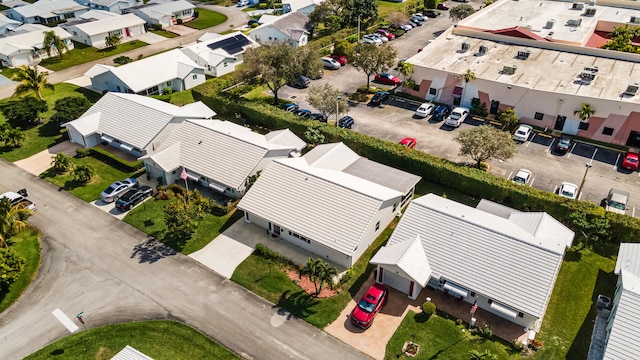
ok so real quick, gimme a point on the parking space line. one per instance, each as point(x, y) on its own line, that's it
point(509, 177)
point(580, 195)
point(555, 188)
point(633, 211)
point(594, 155)
point(615, 166)
point(529, 140)
point(570, 151)
point(551, 145)
point(531, 183)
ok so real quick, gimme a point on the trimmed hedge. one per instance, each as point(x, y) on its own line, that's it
point(465, 179)
point(115, 161)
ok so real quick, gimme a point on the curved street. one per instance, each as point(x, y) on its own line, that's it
point(95, 263)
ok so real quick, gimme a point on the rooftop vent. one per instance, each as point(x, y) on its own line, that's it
point(577, 6)
point(574, 22)
point(591, 11)
point(631, 89)
point(550, 23)
point(509, 70)
point(635, 20)
point(593, 69)
point(592, 2)
point(482, 50)
point(523, 54)
point(465, 46)
point(587, 77)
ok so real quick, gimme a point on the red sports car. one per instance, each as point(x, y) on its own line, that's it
point(408, 142)
point(340, 58)
point(442, 6)
point(630, 161)
point(370, 304)
point(387, 79)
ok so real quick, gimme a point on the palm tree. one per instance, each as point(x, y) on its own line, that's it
point(61, 162)
point(52, 41)
point(319, 272)
point(484, 355)
point(13, 137)
point(13, 219)
point(112, 41)
point(406, 69)
point(585, 113)
point(467, 77)
point(31, 79)
point(83, 173)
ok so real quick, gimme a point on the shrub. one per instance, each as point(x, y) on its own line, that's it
point(477, 108)
point(485, 332)
point(348, 275)
point(121, 60)
point(265, 252)
point(167, 91)
point(352, 38)
point(179, 21)
point(114, 160)
point(428, 308)
point(156, 27)
point(82, 152)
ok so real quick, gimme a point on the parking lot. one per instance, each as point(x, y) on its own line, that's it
point(394, 120)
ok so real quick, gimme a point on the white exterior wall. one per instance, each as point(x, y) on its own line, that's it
point(268, 35)
point(194, 78)
point(22, 57)
point(225, 67)
point(384, 215)
point(527, 321)
point(109, 82)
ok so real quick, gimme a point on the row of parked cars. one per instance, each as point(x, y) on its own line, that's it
point(345, 122)
point(333, 62)
point(126, 193)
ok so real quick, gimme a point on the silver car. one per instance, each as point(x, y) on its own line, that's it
point(113, 192)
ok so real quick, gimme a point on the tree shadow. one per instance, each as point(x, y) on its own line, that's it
point(175, 241)
point(50, 128)
point(237, 215)
point(89, 94)
point(573, 256)
point(72, 184)
point(151, 251)
point(298, 303)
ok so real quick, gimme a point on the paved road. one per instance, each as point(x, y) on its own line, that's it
point(235, 19)
point(94, 263)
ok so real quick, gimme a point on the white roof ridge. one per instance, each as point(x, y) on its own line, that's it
point(219, 131)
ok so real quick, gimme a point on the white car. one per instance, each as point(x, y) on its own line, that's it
point(16, 199)
point(420, 16)
point(416, 18)
point(568, 190)
point(371, 39)
point(330, 63)
point(113, 192)
point(523, 176)
point(384, 39)
point(406, 27)
point(523, 133)
point(457, 117)
point(617, 201)
point(242, 3)
point(425, 110)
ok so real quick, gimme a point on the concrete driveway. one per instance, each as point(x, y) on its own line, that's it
point(41, 162)
point(95, 263)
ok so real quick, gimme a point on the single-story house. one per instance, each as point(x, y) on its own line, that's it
point(93, 31)
point(164, 13)
point(331, 202)
point(620, 340)
point(291, 28)
point(24, 45)
point(220, 55)
point(505, 264)
point(149, 76)
point(302, 6)
point(114, 6)
point(46, 11)
point(7, 25)
point(132, 123)
point(219, 154)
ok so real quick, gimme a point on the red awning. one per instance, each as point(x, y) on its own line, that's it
point(457, 91)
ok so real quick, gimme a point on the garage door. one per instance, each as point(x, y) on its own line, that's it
point(396, 281)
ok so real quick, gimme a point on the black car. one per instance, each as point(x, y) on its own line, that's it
point(133, 196)
point(319, 117)
point(303, 113)
point(431, 13)
point(379, 97)
point(291, 107)
point(300, 82)
point(441, 112)
point(345, 122)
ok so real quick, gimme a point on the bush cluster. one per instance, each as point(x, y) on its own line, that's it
point(115, 161)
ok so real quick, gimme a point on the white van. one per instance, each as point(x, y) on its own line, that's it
point(243, 3)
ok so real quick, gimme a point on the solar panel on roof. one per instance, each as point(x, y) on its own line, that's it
point(231, 45)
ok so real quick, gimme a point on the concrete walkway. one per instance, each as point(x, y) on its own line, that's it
point(41, 162)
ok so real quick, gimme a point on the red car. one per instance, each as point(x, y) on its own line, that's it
point(340, 58)
point(408, 142)
point(370, 304)
point(442, 6)
point(630, 161)
point(386, 33)
point(387, 79)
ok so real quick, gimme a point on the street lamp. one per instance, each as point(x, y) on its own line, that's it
point(588, 165)
point(338, 107)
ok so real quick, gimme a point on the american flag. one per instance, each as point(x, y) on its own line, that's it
point(473, 309)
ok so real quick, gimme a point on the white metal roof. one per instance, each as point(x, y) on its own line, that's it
point(97, 14)
point(105, 25)
point(623, 343)
point(28, 40)
point(151, 71)
point(48, 8)
point(166, 8)
point(406, 258)
point(168, 160)
point(486, 253)
point(86, 125)
point(215, 56)
point(285, 137)
point(548, 232)
point(129, 353)
point(629, 258)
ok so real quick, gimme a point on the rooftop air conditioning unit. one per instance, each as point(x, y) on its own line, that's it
point(482, 50)
point(509, 70)
point(577, 6)
point(574, 22)
point(591, 11)
point(603, 302)
point(465, 46)
point(550, 23)
point(587, 77)
point(592, 2)
point(635, 20)
point(593, 69)
point(632, 89)
point(523, 54)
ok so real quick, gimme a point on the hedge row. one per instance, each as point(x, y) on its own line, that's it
point(115, 161)
point(463, 178)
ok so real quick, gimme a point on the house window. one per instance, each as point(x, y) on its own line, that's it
point(395, 206)
point(246, 216)
point(583, 126)
point(520, 314)
point(195, 77)
point(473, 294)
point(607, 131)
point(433, 91)
point(489, 301)
point(168, 83)
point(378, 226)
point(538, 116)
point(225, 64)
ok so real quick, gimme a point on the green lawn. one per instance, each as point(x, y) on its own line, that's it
point(82, 53)
point(156, 339)
point(105, 175)
point(206, 19)
point(177, 98)
point(149, 219)
point(387, 7)
point(47, 134)
point(27, 244)
point(441, 338)
point(164, 33)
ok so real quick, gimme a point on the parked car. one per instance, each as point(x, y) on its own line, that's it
point(431, 13)
point(330, 63)
point(563, 145)
point(522, 177)
point(408, 142)
point(441, 112)
point(462, 1)
point(425, 110)
point(387, 79)
point(300, 82)
point(318, 116)
point(243, 3)
point(346, 122)
point(415, 22)
point(568, 190)
point(316, 76)
point(252, 21)
point(421, 16)
point(522, 133)
point(406, 27)
point(442, 6)
point(386, 33)
point(371, 39)
point(457, 117)
point(369, 306)
point(382, 38)
point(417, 18)
point(616, 201)
point(379, 97)
point(303, 113)
point(291, 107)
point(115, 190)
point(133, 197)
point(19, 197)
point(630, 161)
point(341, 59)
